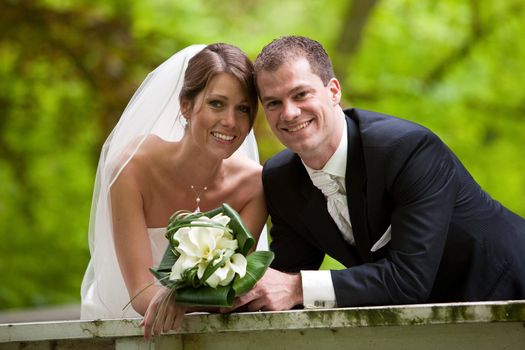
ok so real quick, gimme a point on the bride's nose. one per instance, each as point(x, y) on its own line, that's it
point(228, 118)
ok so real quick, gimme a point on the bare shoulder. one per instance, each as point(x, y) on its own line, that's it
point(244, 168)
point(135, 164)
point(247, 191)
point(243, 176)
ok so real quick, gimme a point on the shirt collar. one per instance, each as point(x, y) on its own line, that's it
point(336, 165)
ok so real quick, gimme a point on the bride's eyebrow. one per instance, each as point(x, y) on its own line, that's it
point(223, 97)
point(217, 96)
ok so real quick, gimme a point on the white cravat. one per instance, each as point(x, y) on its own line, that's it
point(335, 202)
point(318, 289)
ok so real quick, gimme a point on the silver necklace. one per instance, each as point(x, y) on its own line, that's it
point(198, 197)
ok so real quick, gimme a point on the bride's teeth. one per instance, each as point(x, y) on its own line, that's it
point(299, 127)
point(222, 136)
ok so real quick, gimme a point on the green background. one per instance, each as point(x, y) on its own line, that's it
point(68, 68)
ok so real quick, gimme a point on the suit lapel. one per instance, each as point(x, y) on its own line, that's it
point(356, 191)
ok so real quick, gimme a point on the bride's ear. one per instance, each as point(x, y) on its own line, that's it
point(185, 109)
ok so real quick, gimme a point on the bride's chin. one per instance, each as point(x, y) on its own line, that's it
point(221, 155)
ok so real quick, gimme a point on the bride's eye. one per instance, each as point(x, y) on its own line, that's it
point(215, 103)
point(244, 109)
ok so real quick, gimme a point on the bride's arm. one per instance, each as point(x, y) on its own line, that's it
point(255, 213)
point(132, 244)
point(134, 255)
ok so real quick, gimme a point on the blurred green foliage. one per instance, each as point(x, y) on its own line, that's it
point(68, 68)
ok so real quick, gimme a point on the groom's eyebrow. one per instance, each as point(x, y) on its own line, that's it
point(267, 98)
point(299, 88)
point(293, 91)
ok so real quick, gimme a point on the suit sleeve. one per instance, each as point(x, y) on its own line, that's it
point(423, 185)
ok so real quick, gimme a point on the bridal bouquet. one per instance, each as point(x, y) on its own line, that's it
point(207, 261)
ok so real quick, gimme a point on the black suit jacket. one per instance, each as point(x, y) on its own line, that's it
point(450, 240)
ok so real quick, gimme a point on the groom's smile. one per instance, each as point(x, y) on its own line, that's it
point(299, 127)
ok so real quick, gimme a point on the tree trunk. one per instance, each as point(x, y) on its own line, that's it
point(354, 22)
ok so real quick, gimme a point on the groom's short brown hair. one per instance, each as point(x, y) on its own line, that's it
point(284, 49)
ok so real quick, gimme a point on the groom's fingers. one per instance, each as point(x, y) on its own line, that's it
point(258, 305)
point(243, 300)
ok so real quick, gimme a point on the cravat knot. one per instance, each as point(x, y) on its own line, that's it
point(335, 201)
point(325, 183)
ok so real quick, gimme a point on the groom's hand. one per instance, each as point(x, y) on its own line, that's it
point(275, 291)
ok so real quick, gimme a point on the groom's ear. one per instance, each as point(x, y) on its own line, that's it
point(335, 90)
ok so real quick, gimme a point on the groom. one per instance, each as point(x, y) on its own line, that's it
point(384, 196)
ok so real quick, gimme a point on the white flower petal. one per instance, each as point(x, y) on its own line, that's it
point(227, 235)
point(224, 274)
point(238, 264)
point(186, 246)
point(221, 219)
point(225, 243)
point(183, 263)
point(213, 281)
point(201, 268)
point(202, 238)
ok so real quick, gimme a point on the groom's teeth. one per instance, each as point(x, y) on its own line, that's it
point(299, 127)
point(222, 136)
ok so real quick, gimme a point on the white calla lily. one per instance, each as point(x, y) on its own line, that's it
point(222, 276)
point(221, 219)
point(200, 246)
point(183, 263)
point(227, 243)
point(238, 264)
point(185, 245)
point(204, 240)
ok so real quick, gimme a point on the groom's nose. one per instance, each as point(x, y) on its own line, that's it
point(290, 111)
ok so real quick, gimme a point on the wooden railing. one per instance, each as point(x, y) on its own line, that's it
point(482, 325)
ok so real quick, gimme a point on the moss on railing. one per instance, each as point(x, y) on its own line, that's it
point(478, 322)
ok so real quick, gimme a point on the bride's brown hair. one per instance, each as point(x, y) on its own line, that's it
point(215, 59)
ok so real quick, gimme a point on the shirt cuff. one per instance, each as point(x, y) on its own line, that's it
point(318, 289)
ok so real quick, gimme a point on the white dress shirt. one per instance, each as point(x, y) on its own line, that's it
point(318, 288)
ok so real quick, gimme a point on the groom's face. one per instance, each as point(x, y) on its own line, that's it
point(301, 109)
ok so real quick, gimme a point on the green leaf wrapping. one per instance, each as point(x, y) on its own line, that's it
point(211, 268)
point(241, 233)
point(258, 263)
point(189, 290)
point(168, 259)
point(163, 278)
point(206, 296)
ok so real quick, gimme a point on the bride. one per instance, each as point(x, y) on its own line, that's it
point(183, 142)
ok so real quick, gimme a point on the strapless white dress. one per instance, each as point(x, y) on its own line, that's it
point(104, 294)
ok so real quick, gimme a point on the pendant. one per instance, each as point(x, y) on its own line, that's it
point(198, 197)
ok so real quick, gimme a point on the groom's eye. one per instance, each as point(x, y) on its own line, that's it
point(301, 95)
point(272, 104)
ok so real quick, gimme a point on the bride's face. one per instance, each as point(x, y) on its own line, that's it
point(220, 117)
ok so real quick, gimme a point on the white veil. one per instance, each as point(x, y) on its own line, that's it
point(153, 109)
